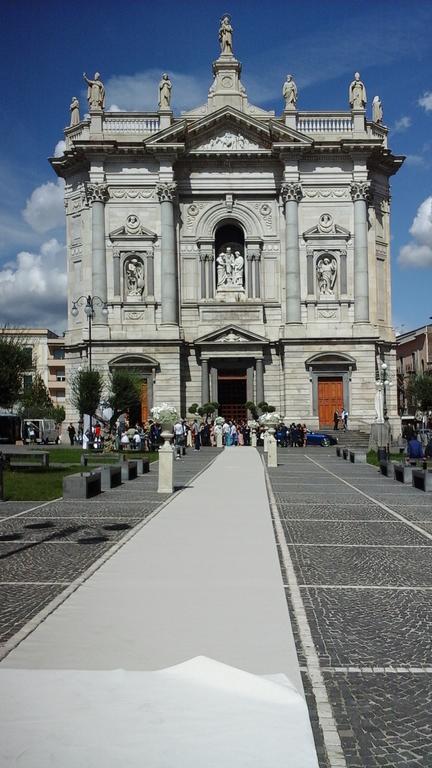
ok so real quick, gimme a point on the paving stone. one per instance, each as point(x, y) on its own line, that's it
point(20, 602)
point(369, 566)
point(352, 532)
point(370, 627)
point(47, 562)
point(72, 529)
point(331, 512)
point(389, 716)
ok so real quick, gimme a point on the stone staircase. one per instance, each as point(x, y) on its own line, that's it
point(352, 438)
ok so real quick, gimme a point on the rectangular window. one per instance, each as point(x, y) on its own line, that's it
point(27, 381)
point(58, 353)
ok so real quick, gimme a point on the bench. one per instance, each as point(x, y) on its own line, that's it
point(402, 473)
point(111, 476)
point(386, 468)
point(41, 458)
point(129, 470)
point(338, 451)
point(82, 485)
point(422, 479)
point(143, 466)
point(345, 452)
point(357, 457)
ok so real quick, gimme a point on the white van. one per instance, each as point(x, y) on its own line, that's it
point(39, 431)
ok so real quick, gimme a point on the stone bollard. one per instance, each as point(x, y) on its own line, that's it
point(265, 441)
point(219, 441)
point(271, 449)
point(166, 464)
point(83, 460)
point(254, 439)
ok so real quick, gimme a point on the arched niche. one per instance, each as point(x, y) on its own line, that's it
point(147, 368)
point(330, 372)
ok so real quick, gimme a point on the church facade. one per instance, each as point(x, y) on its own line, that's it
point(242, 256)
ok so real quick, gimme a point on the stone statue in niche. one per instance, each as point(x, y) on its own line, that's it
point(226, 35)
point(134, 277)
point(357, 93)
point(326, 275)
point(290, 93)
point(230, 269)
point(95, 91)
point(74, 111)
point(165, 88)
point(377, 110)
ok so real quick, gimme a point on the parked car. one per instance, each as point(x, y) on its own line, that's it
point(321, 438)
point(10, 428)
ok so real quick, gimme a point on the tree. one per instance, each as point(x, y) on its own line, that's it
point(58, 414)
point(35, 402)
point(86, 391)
point(124, 391)
point(419, 391)
point(15, 360)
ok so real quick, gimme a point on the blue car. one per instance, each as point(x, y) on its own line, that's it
point(321, 438)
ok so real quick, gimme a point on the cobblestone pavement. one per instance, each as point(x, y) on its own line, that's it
point(45, 546)
point(358, 577)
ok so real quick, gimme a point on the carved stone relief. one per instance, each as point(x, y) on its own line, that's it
point(133, 277)
point(326, 272)
point(228, 141)
point(321, 193)
point(120, 193)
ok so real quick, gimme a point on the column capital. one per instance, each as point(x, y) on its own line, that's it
point(166, 191)
point(291, 190)
point(96, 193)
point(360, 190)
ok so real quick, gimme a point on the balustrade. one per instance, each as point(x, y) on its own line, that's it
point(337, 122)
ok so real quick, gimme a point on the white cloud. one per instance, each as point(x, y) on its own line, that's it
point(418, 253)
point(140, 92)
point(402, 124)
point(114, 108)
point(33, 288)
point(425, 101)
point(45, 208)
point(60, 148)
point(417, 161)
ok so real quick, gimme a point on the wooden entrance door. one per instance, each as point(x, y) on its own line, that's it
point(232, 394)
point(330, 399)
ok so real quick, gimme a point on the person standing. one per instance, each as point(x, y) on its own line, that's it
point(196, 435)
point(345, 419)
point(71, 432)
point(178, 437)
point(336, 420)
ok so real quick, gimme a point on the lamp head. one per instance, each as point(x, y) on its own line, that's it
point(88, 309)
point(384, 366)
point(105, 310)
point(74, 310)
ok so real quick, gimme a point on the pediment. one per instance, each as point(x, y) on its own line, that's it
point(231, 334)
point(227, 130)
point(132, 229)
point(326, 229)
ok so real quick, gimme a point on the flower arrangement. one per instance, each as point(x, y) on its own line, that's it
point(165, 413)
point(219, 420)
point(269, 419)
point(252, 424)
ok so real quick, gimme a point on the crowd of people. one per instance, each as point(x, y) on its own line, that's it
point(340, 419)
point(187, 433)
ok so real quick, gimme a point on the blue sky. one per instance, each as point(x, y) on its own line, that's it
point(48, 45)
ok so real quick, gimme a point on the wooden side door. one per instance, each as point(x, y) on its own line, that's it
point(330, 399)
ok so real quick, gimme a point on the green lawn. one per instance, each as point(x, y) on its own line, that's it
point(41, 484)
point(73, 455)
point(372, 458)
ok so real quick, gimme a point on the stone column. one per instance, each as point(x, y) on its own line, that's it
point(310, 271)
point(210, 263)
point(116, 272)
point(343, 273)
point(97, 195)
point(257, 276)
point(249, 382)
point(214, 384)
point(250, 291)
point(359, 194)
point(166, 192)
point(205, 390)
point(150, 273)
point(202, 259)
point(259, 368)
point(291, 195)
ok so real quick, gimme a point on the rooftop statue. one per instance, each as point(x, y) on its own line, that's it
point(377, 110)
point(165, 88)
point(74, 112)
point(357, 93)
point(95, 92)
point(225, 35)
point(289, 92)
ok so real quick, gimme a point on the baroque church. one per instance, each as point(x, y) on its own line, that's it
point(233, 254)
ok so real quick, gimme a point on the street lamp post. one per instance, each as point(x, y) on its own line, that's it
point(385, 433)
point(89, 303)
